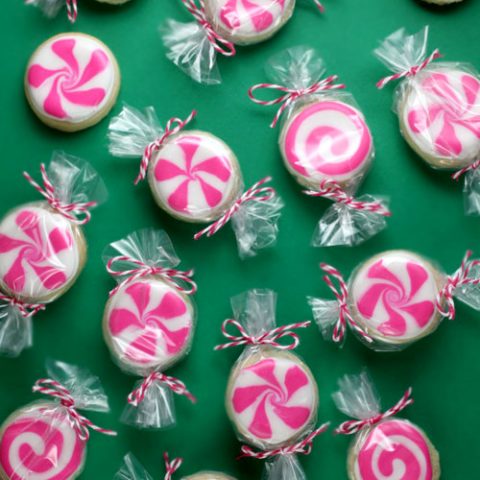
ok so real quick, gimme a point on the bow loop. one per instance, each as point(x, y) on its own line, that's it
point(171, 466)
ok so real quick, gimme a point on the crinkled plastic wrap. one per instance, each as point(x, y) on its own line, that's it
point(288, 383)
point(149, 322)
point(325, 141)
point(15, 330)
point(49, 8)
point(132, 469)
point(39, 440)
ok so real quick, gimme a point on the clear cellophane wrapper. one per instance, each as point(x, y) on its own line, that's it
point(15, 330)
point(255, 310)
point(49, 8)
point(152, 248)
point(132, 469)
point(298, 68)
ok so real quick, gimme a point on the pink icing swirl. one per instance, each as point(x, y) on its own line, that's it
point(395, 450)
point(69, 83)
point(35, 254)
point(41, 445)
point(271, 399)
point(155, 328)
point(448, 109)
point(388, 294)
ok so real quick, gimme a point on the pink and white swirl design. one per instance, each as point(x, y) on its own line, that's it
point(273, 400)
point(327, 140)
point(442, 114)
point(194, 175)
point(70, 78)
point(394, 450)
point(248, 17)
point(38, 254)
point(149, 323)
point(40, 444)
point(395, 295)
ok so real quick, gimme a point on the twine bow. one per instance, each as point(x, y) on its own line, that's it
point(332, 190)
point(181, 280)
point(411, 72)
point(351, 427)
point(78, 213)
point(81, 424)
point(344, 314)
point(171, 466)
point(458, 279)
point(27, 310)
point(268, 338)
point(289, 95)
point(176, 386)
point(303, 447)
point(255, 193)
point(219, 43)
point(473, 166)
point(174, 125)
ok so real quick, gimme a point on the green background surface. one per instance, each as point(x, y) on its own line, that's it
point(444, 369)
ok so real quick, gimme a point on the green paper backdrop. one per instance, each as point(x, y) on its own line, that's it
point(428, 217)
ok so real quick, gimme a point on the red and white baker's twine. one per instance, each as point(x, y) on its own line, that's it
point(181, 280)
point(289, 95)
point(256, 193)
point(174, 125)
point(220, 44)
point(71, 5)
point(332, 190)
point(472, 166)
point(344, 315)
point(176, 386)
point(458, 279)
point(412, 71)
point(80, 423)
point(171, 466)
point(303, 447)
point(78, 213)
point(268, 338)
point(351, 427)
point(27, 310)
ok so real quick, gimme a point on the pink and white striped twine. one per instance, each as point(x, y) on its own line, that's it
point(220, 44)
point(473, 166)
point(256, 193)
point(80, 423)
point(27, 310)
point(289, 95)
point(303, 447)
point(350, 427)
point(174, 125)
point(411, 72)
point(268, 338)
point(181, 280)
point(171, 466)
point(78, 213)
point(332, 190)
point(344, 314)
point(174, 384)
point(458, 279)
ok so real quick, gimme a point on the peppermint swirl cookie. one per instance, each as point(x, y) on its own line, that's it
point(272, 398)
point(195, 177)
point(245, 22)
point(393, 449)
point(39, 443)
point(148, 325)
point(440, 116)
point(326, 139)
point(208, 476)
point(72, 81)
point(392, 297)
point(442, 2)
point(41, 253)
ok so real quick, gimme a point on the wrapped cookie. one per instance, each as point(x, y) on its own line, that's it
point(47, 440)
point(195, 177)
point(438, 105)
point(325, 143)
point(394, 299)
point(272, 397)
point(133, 470)
point(220, 25)
point(384, 445)
point(42, 246)
point(149, 323)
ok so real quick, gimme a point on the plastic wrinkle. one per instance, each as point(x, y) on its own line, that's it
point(49, 8)
point(325, 314)
point(471, 192)
point(469, 294)
point(284, 467)
point(132, 469)
point(16, 333)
